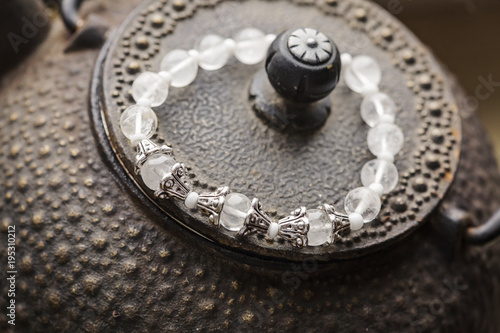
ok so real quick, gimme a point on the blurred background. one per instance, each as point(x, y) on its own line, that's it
point(465, 36)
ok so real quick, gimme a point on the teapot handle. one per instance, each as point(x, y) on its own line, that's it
point(69, 14)
point(479, 235)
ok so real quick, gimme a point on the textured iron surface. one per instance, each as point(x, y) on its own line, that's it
point(213, 130)
point(92, 258)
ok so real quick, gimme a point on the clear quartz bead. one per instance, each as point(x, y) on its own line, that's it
point(381, 172)
point(377, 108)
point(213, 52)
point(181, 66)
point(155, 168)
point(363, 74)
point(364, 202)
point(150, 89)
point(320, 227)
point(138, 123)
point(251, 46)
point(385, 137)
point(234, 211)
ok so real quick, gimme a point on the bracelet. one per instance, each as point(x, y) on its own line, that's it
point(234, 211)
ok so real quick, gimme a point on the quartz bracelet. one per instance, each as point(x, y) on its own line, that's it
point(234, 211)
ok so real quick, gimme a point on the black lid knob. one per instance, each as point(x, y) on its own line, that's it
point(303, 65)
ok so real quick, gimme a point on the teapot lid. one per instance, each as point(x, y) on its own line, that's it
point(212, 127)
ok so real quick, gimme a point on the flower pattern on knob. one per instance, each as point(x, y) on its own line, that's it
point(310, 46)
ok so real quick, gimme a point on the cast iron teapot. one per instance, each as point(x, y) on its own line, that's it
point(93, 249)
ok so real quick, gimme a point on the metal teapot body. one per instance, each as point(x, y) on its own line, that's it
point(93, 254)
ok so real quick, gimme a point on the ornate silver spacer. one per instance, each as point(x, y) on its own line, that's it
point(147, 148)
point(340, 222)
point(211, 204)
point(174, 184)
point(295, 227)
point(256, 220)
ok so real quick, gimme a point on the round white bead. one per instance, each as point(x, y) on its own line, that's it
point(345, 59)
point(251, 46)
point(270, 39)
point(150, 87)
point(363, 201)
point(320, 227)
point(135, 139)
point(386, 156)
point(181, 66)
point(138, 122)
point(234, 211)
point(385, 137)
point(356, 221)
point(144, 102)
point(155, 168)
point(213, 52)
point(230, 45)
point(387, 118)
point(363, 74)
point(370, 91)
point(194, 54)
point(377, 188)
point(191, 200)
point(166, 76)
point(273, 230)
point(378, 108)
point(380, 172)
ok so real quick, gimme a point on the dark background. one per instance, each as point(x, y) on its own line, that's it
point(465, 36)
